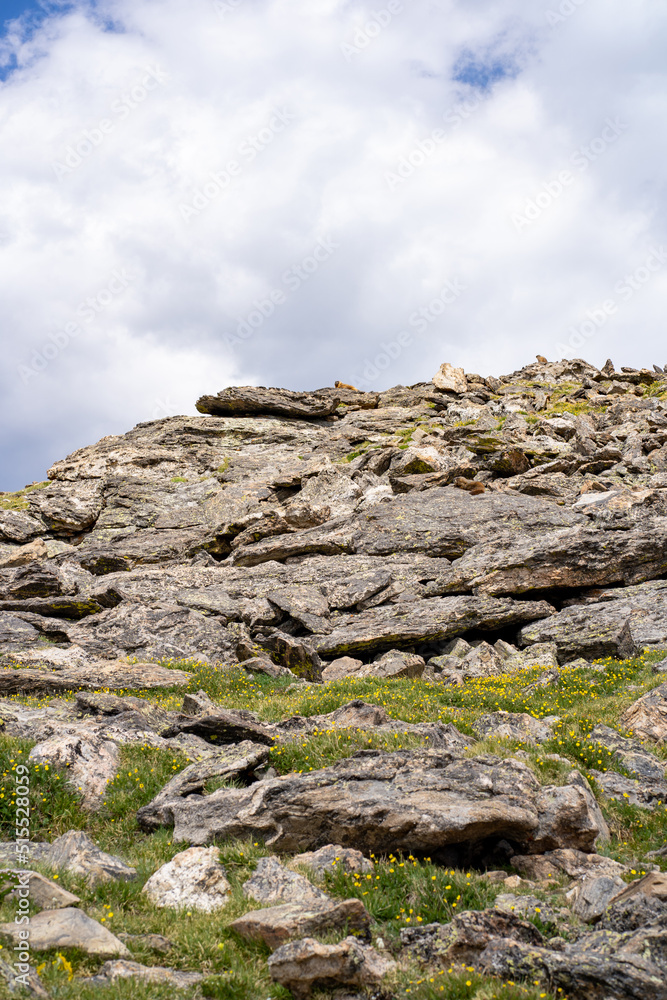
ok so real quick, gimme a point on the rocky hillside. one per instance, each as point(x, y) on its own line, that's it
point(345, 693)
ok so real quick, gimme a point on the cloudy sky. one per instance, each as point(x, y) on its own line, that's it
point(289, 192)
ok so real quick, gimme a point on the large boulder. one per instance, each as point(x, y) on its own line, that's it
point(421, 801)
point(249, 400)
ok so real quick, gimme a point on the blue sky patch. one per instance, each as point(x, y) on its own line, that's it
point(483, 72)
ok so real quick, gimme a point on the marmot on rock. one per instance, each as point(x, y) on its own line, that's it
point(474, 487)
point(344, 385)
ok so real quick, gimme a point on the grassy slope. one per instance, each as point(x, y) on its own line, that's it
point(402, 891)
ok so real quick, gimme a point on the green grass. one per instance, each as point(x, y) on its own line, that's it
point(402, 890)
point(18, 500)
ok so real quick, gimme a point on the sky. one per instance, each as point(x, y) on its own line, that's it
point(290, 192)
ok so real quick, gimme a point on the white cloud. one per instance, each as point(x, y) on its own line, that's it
point(114, 120)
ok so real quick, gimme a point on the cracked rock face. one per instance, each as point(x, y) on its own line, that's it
point(333, 524)
point(420, 801)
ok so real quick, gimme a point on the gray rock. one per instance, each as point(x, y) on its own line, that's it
point(68, 928)
point(222, 726)
point(600, 964)
point(275, 925)
point(236, 762)
point(512, 725)
point(91, 764)
point(343, 666)
point(120, 969)
point(592, 632)
point(249, 400)
point(272, 883)
point(43, 892)
point(425, 621)
point(77, 853)
point(193, 879)
point(331, 857)
point(463, 939)
point(590, 897)
point(427, 799)
point(304, 965)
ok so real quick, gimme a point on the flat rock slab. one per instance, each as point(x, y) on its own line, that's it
point(44, 893)
point(271, 883)
point(69, 928)
point(222, 727)
point(91, 677)
point(193, 879)
point(575, 864)
point(425, 621)
point(250, 400)
point(112, 972)
point(275, 925)
point(403, 800)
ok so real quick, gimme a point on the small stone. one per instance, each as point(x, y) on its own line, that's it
point(197, 704)
point(194, 879)
point(76, 852)
point(332, 857)
point(272, 883)
point(111, 972)
point(590, 897)
point(44, 893)
point(302, 965)
point(450, 379)
point(344, 666)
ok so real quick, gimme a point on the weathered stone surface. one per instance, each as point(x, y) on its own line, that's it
point(601, 964)
point(222, 727)
point(343, 666)
point(68, 928)
point(91, 676)
point(249, 400)
point(331, 857)
point(644, 793)
point(394, 663)
point(647, 717)
point(303, 965)
point(91, 764)
point(44, 893)
point(588, 632)
point(112, 972)
point(463, 939)
point(193, 879)
point(569, 816)
point(405, 800)
point(576, 557)
point(590, 897)
point(576, 864)
point(272, 883)
point(512, 725)
point(76, 852)
point(236, 762)
point(450, 379)
point(425, 621)
point(277, 924)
